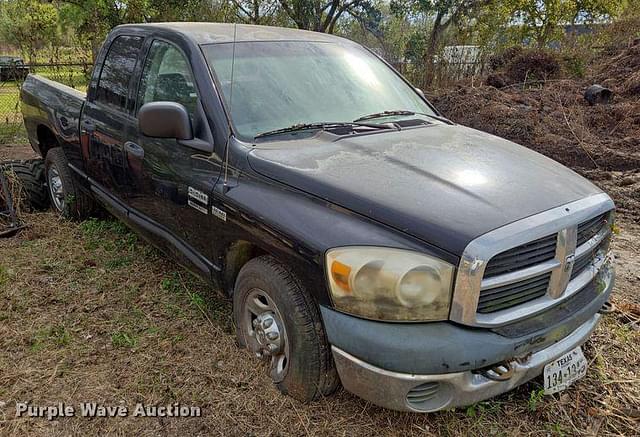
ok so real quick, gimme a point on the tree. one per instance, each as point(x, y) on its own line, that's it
point(257, 11)
point(28, 25)
point(323, 15)
point(542, 20)
point(439, 16)
point(93, 19)
point(378, 29)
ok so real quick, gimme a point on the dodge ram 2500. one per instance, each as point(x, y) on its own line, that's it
point(363, 237)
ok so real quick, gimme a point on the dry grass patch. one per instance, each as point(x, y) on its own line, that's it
point(88, 312)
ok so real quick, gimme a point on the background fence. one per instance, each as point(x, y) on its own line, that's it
point(13, 74)
point(77, 75)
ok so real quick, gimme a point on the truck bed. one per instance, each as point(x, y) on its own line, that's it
point(46, 103)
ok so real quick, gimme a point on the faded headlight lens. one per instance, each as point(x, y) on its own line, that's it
point(389, 284)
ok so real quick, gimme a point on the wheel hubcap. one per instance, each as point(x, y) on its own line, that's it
point(55, 188)
point(265, 333)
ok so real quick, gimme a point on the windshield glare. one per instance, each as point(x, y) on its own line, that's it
point(280, 84)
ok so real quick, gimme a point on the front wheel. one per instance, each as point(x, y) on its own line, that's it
point(277, 320)
point(66, 196)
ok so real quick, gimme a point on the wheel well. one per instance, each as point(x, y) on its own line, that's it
point(46, 139)
point(238, 254)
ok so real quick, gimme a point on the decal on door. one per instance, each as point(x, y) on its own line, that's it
point(198, 195)
point(195, 205)
point(198, 200)
point(219, 213)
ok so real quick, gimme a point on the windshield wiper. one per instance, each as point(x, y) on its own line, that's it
point(320, 125)
point(399, 112)
point(384, 114)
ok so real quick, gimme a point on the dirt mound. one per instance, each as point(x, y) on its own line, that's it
point(621, 72)
point(601, 142)
point(517, 65)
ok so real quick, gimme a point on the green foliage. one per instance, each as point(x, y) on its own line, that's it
point(57, 336)
point(535, 398)
point(109, 235)
point(539, 22)
point(123, 339)
point(172, 283)
point(411, 34)
point(28, 25)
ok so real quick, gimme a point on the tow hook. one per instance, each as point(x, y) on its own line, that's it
point(498, 372)
point(607, 308)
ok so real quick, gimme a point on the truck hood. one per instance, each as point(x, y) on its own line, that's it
point(443, 184)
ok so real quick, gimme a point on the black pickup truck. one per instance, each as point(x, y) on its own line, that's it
point(12, 68)
point(363, 237)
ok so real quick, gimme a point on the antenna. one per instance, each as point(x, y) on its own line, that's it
point(233, 63)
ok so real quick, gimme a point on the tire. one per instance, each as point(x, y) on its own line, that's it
point(30, 174)
point(67, 198)
point(309, 372)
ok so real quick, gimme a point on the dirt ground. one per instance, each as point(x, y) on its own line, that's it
point(89, 313)
point(16, 151)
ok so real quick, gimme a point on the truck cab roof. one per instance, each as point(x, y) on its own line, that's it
point(211, 33)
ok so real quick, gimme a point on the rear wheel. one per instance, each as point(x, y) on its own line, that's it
point(30, 175)
point(66, 196)
point(277, 320)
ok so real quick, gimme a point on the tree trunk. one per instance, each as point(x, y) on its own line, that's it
point(431, 49)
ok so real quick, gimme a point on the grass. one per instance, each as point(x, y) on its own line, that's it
point(56, 336)
point(123, 339)
point(89, 312)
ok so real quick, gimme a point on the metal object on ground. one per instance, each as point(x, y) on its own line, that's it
point(597, 94)
point(9, 221)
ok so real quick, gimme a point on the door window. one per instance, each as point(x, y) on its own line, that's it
point(167, 78)
point(117, 69)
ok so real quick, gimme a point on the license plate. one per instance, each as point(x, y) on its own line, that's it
point(564, 371)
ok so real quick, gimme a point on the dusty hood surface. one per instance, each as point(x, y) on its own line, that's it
point(443, 184)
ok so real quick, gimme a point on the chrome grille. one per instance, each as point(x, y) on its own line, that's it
point(521, 257)
point(482, 276)
point(506, 296)
point(588, 229)
point(544, 267)
point(588, 258)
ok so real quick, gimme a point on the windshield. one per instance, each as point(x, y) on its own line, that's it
point(281, 84)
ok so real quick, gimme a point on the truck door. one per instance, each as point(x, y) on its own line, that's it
point(107, 122)
point(176, 180)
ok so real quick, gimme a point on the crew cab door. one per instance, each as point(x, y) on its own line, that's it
point(107, 121)
point(176, 180)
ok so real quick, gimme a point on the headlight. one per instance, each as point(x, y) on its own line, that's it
point(389, 284)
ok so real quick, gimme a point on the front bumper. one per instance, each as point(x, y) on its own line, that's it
point(427, 393)
point(426, 367)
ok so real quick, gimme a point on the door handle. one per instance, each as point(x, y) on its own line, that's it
point(88, 126)
point(132, 148)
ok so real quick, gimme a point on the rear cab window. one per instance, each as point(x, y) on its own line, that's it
point(117, 71)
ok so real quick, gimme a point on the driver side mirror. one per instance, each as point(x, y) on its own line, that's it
point(419, 91)
point(170, 120)
point(165, 120)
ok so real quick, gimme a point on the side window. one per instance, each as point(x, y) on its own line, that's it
point(167, 78)
point(113, 85)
